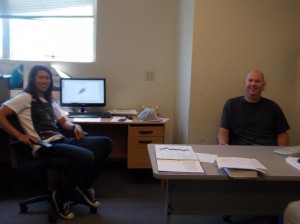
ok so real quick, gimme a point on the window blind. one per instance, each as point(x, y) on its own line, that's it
point(46, 8)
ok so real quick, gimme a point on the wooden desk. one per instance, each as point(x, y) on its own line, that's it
point(130, 138)
point(214, 193)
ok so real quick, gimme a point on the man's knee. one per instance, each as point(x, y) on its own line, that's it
point(105, 145)
point(101, 144)
point(291, 214)
point(109, 144)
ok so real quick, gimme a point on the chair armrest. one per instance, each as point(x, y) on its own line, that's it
point(43, 144)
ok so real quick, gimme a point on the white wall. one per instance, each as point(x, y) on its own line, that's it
point(232, 37)
point(133, 37)
point(184, 64)
point(199, 58)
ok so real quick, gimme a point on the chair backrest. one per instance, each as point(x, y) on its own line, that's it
point(4, 89)
point(13, 120)
point(21, 153)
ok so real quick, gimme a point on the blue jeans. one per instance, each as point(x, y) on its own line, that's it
point(84, 159)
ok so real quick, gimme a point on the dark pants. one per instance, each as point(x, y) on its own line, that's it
point(84, 159)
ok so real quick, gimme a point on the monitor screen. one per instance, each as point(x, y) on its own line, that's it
point(83, 92)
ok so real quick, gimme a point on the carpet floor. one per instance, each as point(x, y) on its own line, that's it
point(126, 196)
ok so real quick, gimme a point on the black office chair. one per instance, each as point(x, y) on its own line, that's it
point(22, 159)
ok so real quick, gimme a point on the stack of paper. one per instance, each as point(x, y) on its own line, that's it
point(237, 167)
point(123, 112)
point(177, 158)
point(240, 173)
point(288, 151)
point(294, 161)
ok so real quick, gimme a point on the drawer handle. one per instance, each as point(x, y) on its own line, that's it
point(145, 132)
point(145, 141)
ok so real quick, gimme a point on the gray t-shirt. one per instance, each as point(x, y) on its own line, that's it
point(253, 123)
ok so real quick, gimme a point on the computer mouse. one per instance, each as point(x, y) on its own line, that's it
point(298, 160)
point(129, 117)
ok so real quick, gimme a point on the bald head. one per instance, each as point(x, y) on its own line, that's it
point(257, 73)
point(254, 84)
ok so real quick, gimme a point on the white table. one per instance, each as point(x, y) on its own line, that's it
point(214, 193)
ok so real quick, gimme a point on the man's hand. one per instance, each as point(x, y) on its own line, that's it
point(78, 132)
point(27, 139)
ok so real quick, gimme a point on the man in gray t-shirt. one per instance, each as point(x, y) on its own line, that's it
point(252, 119)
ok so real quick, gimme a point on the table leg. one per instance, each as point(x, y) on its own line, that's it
point(169, 201)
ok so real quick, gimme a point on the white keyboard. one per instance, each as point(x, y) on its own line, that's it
point(289, 151)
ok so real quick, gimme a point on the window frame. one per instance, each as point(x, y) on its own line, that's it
point(49, 13)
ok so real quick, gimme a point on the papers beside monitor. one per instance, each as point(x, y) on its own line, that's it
point(163, 119)
point(237, 167)
point(96, 119)
point(293, 161)
point(123, 112)
point(120, 119)
point(177, 158)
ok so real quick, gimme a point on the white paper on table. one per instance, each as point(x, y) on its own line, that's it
point(205, 157)
point(293, 161)
point(180, 152)
point(240, 163)
point(185, 166)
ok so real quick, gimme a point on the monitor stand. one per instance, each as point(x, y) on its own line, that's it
point(82, 110)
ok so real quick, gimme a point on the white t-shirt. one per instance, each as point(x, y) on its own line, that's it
point(21, 105)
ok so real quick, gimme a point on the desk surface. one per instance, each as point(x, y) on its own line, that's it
point(214, 193)
point(130, 138)
point(277, 167)
point(134, 121)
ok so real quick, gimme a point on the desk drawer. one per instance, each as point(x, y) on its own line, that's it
point(137, 154)
point(146, 131)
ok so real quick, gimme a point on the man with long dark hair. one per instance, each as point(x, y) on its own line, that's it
point(39, 116)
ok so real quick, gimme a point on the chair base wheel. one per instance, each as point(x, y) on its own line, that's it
point(227, 219)
point(23, 208)
point(52, 217)
point(93, 210)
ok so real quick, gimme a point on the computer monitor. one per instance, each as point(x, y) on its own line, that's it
point(83, 92)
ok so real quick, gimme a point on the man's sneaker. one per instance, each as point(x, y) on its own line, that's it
point(63, 209)
point(89, 196)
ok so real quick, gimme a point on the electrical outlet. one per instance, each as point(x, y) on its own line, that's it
point(149, 76)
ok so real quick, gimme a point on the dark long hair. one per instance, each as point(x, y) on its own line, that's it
point(31, 88)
